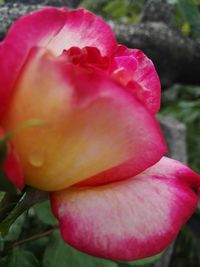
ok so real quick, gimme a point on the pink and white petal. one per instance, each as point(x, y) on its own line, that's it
point(55, 29)
point(82, 28)
point(86, 131)
point(137, 164)
point(35, 29)
point(142, 79)
point(130, 219)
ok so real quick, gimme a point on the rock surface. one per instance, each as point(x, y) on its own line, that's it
point(10, 12)
point(175, 134)
point(70, 3)
point(13, 9)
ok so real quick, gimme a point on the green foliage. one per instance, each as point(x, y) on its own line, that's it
point(187, 17)
point(5, 184)
point(125, 11)
point(15, 229)
point(146, 261)
point(191, 15)
point(19, 257)
point(183, 103)
point(186, 249)
point(44, 250)
point(58, 251)
point(3, 149)
point(44, 213)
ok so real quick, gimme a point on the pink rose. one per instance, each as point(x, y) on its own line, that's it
point(100, 149)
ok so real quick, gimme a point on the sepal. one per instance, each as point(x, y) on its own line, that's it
point(5, 184)
point(3, 150)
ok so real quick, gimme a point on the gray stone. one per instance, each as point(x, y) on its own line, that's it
point(175, 134)
point(157, 11)
point(10, 12)
point(70, 3)
point(176, 57)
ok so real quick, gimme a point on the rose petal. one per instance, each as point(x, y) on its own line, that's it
point(136, 71)
point(53, 28)
point(131, 219)
point(30, 30)
point(81, 29)
point(90, 123)
point(132, 167)
point(86, 57)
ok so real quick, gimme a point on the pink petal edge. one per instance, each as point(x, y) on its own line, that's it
point(135, 70)
point(55, 29)
point(131, 219)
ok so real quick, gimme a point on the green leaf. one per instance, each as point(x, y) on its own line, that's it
point(21, 258)
point(186, 29)
point(15, 229)
point(189, 11)
point(191, 14)
point(60, 254)
point(6, 185)
point(146, 261)
point(3, 150)
point(116, 8)
point(3, 262)
point(44, 213)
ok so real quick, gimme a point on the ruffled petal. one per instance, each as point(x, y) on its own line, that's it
point(55, 29)
point(133, 69)
point(131, 219)
point(90, 123)
point(82, 28)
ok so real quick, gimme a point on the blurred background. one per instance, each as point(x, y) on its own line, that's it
point(168, 31)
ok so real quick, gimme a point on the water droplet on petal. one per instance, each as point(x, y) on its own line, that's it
point(37, 159)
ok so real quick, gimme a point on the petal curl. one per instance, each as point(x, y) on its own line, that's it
point(131, 219)
point(133, 69)
point(55, 29)
point(91, 123)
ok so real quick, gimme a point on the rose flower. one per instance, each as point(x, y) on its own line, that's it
point(99, 149)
